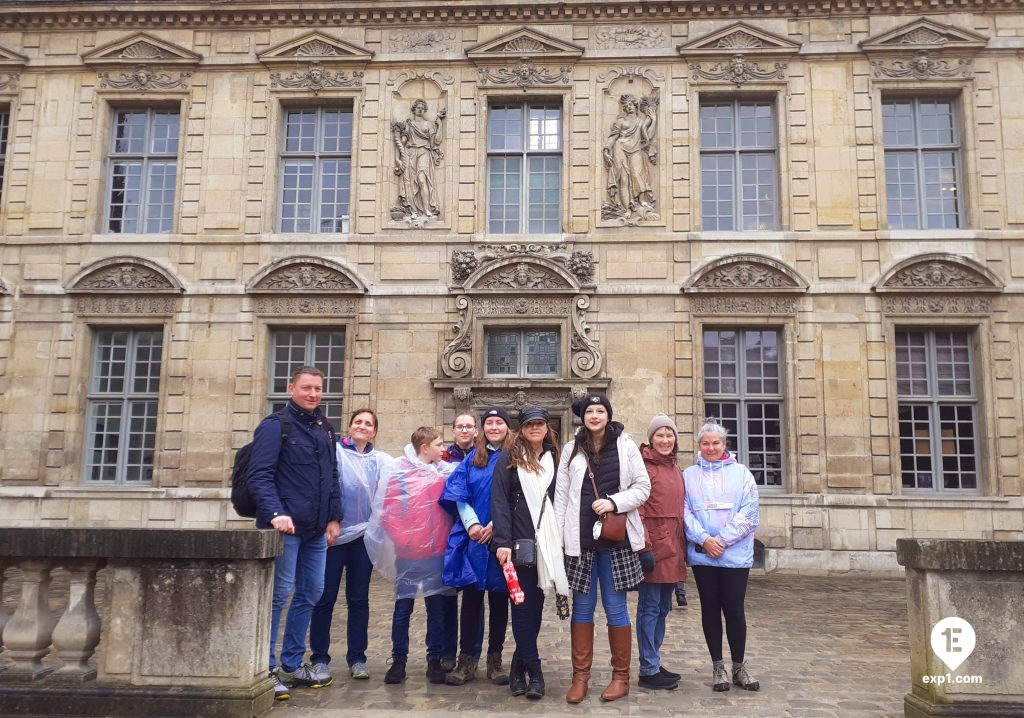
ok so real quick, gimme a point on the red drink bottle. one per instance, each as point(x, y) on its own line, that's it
point(512, 579)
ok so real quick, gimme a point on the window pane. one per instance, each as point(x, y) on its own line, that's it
point(335, 181)
point(297, 196)
point(505, 128)
point(146, 367)
point(105, 431)
point(936, 122)
point(957, 449)
point(130, 132)
point(141, 441)
point(940, 189)
point(289, 354)
point(504, 187)
point(337, 133)
point(757, 128)
point(717, 182)
point(316, 189)
point(542, 353)
point(720, 362)
point(915, 446)
point(543, 194)
point(160, 197)
point(165, 133)
point(321, 348)
point(764, 443)
point(329, 357)
point(544, 128)
point(716, 126)
point(503, 353)
point(125, 196)
point(953, 364)
point(758, 190)
point(300, 130)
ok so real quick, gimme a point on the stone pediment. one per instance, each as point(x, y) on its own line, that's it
point(743, 273)
point(521, 274)
point(305, 274)
point(739, 38)
point(10, 60)
point(526, 44)
point(316, 47)
point(141, 49)
point(938, 272)
point(921, 35)
point(122, 275)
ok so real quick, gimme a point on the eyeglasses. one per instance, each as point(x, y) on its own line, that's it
point(464, 427)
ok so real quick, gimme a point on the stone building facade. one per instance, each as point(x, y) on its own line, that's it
point(806, 221)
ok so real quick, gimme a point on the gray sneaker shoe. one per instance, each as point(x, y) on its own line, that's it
point(322, 673)
point(720, 678)
point(301, 676)
point(742, 679)
point(281, 691)
point(359, 671)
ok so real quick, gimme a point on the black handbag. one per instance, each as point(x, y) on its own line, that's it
point(524, 551)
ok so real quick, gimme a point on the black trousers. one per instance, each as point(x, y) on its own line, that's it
point(527, 616)
point(722, 592)
point(471, 620)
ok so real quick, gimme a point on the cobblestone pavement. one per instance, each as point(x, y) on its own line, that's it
point(821, 647)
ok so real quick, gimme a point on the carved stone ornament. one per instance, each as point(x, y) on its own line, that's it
point(143, 79)
point(730, 305)
point(518, 306)
point(631, 36)
point(316, 78)
point(739, 40)
point(936, 275)
point(630, 153)
point(738, 71)
point(11, 83)
point(316, 48)
point(935, 304)
point(523, 276)
point(125, 278)
point(580, 263)
point(518, 400)
point(417, 155)
point(462, 394)
point(464, 263)
point(435, 76)
point(745, 275)
point(525, 75)
point(306, 305)
point(631, 74)
point(432, 41)
point(457, 357)
point(305, 278)
point(107, 304)
point(922, 67)
point(143, 50)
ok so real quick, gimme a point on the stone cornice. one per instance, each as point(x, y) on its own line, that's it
point(60, 14)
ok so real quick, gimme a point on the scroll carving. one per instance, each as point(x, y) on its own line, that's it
point(629, 154)
point(730, 305)
point(108, 304)
point(922, 67)
point(305, 278)
point(936, 275)
point(143, 79)
point(417, 154)
point(306, 305)
point(525, 75)
point(738, 71)
point(745, 275)
point(125, 278)
point(935, 304)
point(631, 36)
point(523, 276)
point(586, 357)
point(457, 357)
point(316, 78)
point(422, 41)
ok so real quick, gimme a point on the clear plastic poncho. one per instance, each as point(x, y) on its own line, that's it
point(358, 475)
point(407, 533)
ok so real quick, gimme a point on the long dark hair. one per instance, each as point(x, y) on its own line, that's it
point(481, 457)
point(584, 440)
point(520, 453)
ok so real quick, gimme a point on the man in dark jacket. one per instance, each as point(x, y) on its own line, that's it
point(296, 489)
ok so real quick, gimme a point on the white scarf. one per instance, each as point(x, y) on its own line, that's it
point(550, 567)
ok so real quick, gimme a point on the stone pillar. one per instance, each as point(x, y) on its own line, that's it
point(27, 634)
point(981, 582)
point(78, 630)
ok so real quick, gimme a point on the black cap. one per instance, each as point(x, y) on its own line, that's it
point(580, 405)
point(532, 413)
point(498, 411)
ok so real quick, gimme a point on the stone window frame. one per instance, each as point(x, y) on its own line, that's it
point(787, 326)
point(560, 96)
point(110, 105)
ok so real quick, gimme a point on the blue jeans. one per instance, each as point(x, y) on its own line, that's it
point(614, 602)
point(527, 616)
point(440, 638)
point(653, 604)
point(299, 567)
point(350, 557)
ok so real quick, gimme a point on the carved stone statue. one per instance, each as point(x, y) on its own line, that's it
point(417, 153)
point(629, 153)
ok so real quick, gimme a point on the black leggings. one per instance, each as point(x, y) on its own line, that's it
point(722, 591)
point(470, 620)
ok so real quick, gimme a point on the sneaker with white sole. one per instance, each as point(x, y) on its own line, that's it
point(281, 691)
point(359, 671)
point(301, 676)
point(322, 673)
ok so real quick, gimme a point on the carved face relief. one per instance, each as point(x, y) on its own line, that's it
point(316, 75)
point(143, 77)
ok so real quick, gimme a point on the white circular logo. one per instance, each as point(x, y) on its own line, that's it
point(953, 641)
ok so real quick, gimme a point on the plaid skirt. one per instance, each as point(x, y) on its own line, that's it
point(626, 570)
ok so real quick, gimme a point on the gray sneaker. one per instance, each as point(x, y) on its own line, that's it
point(720, 678)
point(322, 673)
point(301, 676)
point(359, 671)
point(742, 679)
point(281, 691)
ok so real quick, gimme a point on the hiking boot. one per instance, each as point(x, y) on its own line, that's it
point(741, 678)
point(435, 671)
point(448, 664)
point(301, 676)
point(658, 682)
point(281, 691)
point(464, 672)
point(322, 673)
point(358, 671)
point(395, 674)
point(669, 674)
point(681, 594)
point(517, 677)
point(720, 678)
point(535, 688)
point(495, 673)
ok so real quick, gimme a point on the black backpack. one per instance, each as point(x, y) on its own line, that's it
point(241, 499)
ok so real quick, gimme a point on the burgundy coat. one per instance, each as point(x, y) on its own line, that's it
point(662, 515)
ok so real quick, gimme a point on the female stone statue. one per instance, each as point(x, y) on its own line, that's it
point(417, 153)
point(630, 150)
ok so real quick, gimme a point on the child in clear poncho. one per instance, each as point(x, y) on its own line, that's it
point(406, 538)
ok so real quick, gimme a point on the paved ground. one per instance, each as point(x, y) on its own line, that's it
point(821, 647)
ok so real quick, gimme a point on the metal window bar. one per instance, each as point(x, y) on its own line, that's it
point(143, 168)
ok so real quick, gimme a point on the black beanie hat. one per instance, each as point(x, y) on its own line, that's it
point(580, 405)
point(498, 411)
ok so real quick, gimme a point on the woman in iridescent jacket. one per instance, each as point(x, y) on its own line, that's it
point(720, 515)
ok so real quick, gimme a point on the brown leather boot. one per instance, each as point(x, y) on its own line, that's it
point(620, 640)
point(582, 657)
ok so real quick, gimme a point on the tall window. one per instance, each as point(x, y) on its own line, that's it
point(738, 166)
point(316, 170)
point(522, 352)
point(524, 168)
point(122, 406)
point(5, 124)
point(743, 391)
point(937, 407)
point(143, 171)
point(322, 348)
point(922, 165)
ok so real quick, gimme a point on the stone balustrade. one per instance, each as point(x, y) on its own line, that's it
point(981, 582)
point(183, 629)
